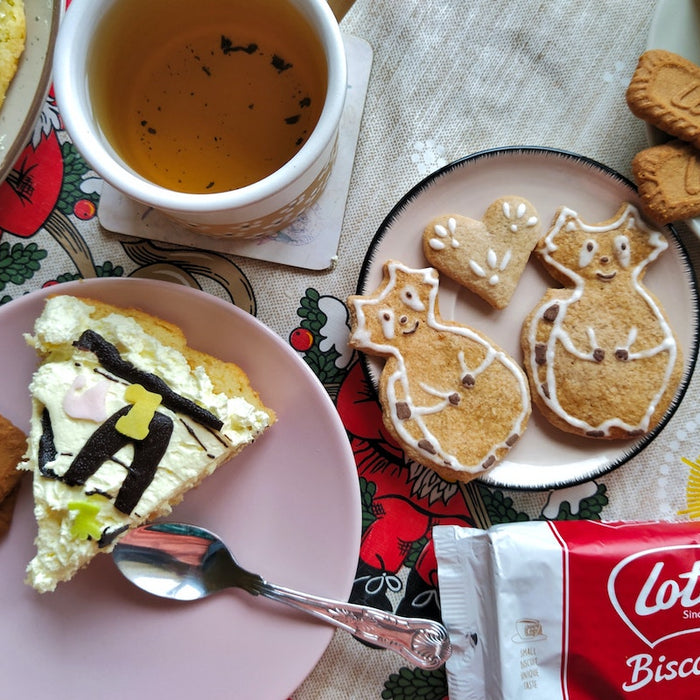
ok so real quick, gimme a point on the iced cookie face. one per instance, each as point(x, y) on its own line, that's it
point(575, 252)
point(398, 315)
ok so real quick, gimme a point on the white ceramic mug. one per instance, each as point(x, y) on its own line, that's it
point(256, 209)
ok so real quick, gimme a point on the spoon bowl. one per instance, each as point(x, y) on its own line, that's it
point(185, 562)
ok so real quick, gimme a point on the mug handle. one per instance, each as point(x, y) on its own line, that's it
point(340, 7)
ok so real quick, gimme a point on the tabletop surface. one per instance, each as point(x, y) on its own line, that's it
point(449, 78)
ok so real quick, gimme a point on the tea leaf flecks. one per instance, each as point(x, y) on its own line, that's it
point(279, 64)
point(206, 70)
point(293, 119)
point(227, 46)
point(149, 129)
point(305, 102)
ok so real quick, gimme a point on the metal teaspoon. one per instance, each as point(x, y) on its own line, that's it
point(186, 562)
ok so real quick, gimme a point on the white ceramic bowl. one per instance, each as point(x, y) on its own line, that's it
point(254, 210)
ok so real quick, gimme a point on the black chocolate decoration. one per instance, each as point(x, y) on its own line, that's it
point(107, 440)
point(109, 357)
point(47, 446)
point(108, 536)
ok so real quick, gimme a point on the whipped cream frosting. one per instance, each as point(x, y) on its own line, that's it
point(73, 393)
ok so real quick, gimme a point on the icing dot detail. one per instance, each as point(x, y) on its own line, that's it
point(387, 321)
point(411, 298)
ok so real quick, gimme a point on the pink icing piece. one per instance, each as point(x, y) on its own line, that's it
point(88, 404)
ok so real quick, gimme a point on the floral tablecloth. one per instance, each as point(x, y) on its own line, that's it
point(449, 78)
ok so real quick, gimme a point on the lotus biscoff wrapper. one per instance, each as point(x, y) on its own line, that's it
point(575, 610)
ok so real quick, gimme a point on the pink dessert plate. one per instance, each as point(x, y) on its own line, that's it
point(544, 457)
point(289, 505)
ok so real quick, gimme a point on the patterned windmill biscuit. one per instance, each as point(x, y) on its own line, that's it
point(489, 256)
point(665, 91)
point(12, 36)
point(668, 179)
point(453, 400)
point(12, 445)
point(600, 354)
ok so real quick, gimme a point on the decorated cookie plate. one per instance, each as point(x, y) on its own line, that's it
point(289, 506)
point(544, 457)
point(676, 27)
point(28, 89)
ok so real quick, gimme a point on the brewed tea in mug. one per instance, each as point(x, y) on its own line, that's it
point(207, 96)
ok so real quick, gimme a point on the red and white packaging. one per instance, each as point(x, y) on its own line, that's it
point(581, 610)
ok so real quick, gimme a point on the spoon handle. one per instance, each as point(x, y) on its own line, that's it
point(422, 642)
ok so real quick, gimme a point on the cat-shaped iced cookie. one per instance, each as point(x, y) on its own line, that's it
point(452, 398)
point(600, 354)
point(489, 256)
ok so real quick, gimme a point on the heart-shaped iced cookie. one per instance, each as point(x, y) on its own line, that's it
point(486, 256)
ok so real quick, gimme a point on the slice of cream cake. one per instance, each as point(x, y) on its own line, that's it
point(125, 419)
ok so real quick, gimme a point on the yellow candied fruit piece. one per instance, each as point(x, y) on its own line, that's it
point(135, 423)
point(85, 524)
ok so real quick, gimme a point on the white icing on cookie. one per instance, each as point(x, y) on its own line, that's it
point(559, 335)
point(493, 263)
point(517, 215)
point(400, 402)
point(444, 236)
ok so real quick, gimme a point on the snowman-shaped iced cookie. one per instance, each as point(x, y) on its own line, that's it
point(454, 400)
point(600, 353)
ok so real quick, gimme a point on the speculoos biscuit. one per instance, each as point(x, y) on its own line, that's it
point(668, 181)
point(665, 91)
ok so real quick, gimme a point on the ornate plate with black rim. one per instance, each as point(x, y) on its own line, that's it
point(545, 457)
point(27, 91)
point(289, 505)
